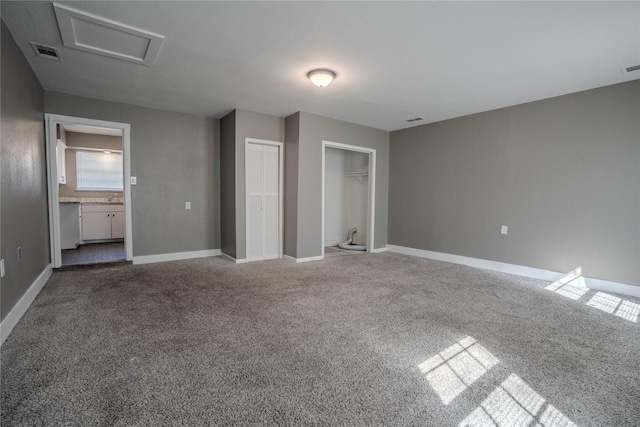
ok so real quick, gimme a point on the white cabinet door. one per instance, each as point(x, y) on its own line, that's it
point(102, 221)
point(262, 186)
point(117, 225)
point(69, 225)
point(96, 225)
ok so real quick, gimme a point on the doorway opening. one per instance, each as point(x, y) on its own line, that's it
point(348, 198)
point(89, 178)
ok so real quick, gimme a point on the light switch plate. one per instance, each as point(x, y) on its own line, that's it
point(1, 268)
point(187, 205)
point(134, 180)
point(503, 229)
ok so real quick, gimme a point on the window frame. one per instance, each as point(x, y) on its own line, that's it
point(78, 171)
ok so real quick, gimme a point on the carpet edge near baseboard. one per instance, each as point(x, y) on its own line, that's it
point(518, 270)
point(175, 256)
point(24, 303)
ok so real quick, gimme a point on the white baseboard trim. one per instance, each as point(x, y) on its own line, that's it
point(230, 258)
point(615, 287)
point(308, 259)
point(518, 270)
point(378, 250)
point(25, 302)
point(175, 256)
point(227, 256)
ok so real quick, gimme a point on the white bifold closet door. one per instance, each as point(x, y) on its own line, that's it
point(262, 201)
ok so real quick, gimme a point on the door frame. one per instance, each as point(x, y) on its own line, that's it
point(371, 200)
point(51, 120)
point(280, 146)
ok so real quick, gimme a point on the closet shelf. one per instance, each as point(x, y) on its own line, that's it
point(358, 174)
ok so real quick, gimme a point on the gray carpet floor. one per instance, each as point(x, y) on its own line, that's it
point(376, 339)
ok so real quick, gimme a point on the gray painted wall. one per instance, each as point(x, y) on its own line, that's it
point(562, 173)
point(313, 130)
point(291, 153)
point(173, 157)
point(258, 126)
point(85, 140)
point(61, 133)
point(23, 211)
point(228, 183)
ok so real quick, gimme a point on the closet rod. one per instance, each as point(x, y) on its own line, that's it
point(361, 173)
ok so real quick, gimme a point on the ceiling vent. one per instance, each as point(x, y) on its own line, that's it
point(415, 119)
point(91, 33)
point(44, 51)
point(634, 68)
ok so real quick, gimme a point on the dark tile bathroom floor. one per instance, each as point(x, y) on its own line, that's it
point(94, 253)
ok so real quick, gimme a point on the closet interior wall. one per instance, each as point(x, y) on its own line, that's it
point(346, 195)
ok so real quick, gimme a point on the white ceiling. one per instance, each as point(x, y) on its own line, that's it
point(394, 60)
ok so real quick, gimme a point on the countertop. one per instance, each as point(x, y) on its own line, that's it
point(101, 200)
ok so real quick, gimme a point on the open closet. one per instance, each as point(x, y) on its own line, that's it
point(346, 204)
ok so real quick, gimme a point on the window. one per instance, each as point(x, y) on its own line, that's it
point(97, 171)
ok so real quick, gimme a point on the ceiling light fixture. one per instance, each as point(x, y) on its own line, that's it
point(320, 77)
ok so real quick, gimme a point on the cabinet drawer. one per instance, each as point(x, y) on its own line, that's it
point(102, 208)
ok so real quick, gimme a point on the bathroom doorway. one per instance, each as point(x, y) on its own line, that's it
point(89, 190)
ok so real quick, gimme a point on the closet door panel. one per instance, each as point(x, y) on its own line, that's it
point(254, 169)
point(254, 227)
point(270, 201)
point(271, 227)
point(270, 170)
point(254, 201)
point(263, 201)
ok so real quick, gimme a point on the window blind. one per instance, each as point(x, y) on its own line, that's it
point(99, 171)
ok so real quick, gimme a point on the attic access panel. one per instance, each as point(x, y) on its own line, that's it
point(92, 33)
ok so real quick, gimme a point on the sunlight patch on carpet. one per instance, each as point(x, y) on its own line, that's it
point(514, 403)
point(454, 369)
point(571, 286)
point(614, 305)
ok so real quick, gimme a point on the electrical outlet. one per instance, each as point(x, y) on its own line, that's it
point(187, 205)
point(134, 180)
point(1, 268)
point(503, 229)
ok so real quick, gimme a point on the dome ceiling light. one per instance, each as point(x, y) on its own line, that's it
point(321, 77)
